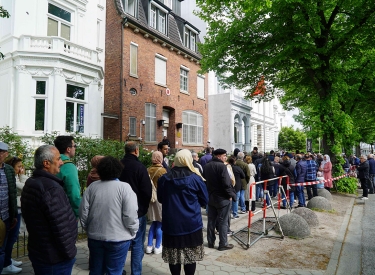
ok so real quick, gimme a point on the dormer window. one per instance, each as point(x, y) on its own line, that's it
point(168, 3)
point(158, 18)
point(190, 38)
point(130, 7)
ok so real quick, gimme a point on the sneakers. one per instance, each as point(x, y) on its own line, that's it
point(230, 233)
point(158, 250)
point(236, 217)
point(364, 198)
point(11, 269)
point(149, 249)
point(16, 263)
point(241, 212)
point(227, 247)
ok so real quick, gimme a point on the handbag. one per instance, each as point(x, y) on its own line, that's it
point(154, 196)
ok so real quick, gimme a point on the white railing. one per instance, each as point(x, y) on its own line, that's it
point(240, 99)
point(55, 44)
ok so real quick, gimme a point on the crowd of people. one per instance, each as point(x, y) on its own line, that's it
point(123, 195)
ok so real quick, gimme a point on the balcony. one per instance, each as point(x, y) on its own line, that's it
point(239, 99)
point(53, 44)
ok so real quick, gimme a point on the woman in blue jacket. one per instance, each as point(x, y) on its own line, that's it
point(182, 192)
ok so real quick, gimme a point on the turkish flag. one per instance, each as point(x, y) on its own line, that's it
point(260, 89)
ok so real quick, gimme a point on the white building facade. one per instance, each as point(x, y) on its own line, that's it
point(235, 122)
point(52, 74)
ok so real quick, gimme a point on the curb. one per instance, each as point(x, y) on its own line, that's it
point(336, 251)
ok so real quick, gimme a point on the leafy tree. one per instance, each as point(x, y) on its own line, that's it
point(317, 55)
point(3, 14)
point(292, 140)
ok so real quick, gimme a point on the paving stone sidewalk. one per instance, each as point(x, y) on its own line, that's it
point(154, 265)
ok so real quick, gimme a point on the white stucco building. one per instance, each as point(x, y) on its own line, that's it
point(235, 122)
point(52, 74)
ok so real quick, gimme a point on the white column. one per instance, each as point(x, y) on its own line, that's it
point(58, 103)
point(23, 118)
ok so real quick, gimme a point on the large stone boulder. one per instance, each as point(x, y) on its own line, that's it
point(294, 225)
point(325, 193)
point(310, 217)
point(319, 203)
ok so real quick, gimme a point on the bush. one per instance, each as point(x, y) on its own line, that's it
point(17, 146)
point(347, 185)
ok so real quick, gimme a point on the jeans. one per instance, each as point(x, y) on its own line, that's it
point(291, 198)
point(2, 248)
point(259, 191)
point(371, 183)
point(300, 195)
point(235, 205)
point(63, 268)
point(107, 257)
point(314, 190)
point(274, 190)
point(155, 230)
point(137, 247)
point(12, 238)
point(241, 200)
point(221, 216)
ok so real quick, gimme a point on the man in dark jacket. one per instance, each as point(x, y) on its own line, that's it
point(8, 204)
point(206, 158)
point(221, 194)
point(135, 174)
point(363, 175)
point(301, 170)
point(49, 217)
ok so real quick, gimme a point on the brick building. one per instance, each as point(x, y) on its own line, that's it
point(153, 88)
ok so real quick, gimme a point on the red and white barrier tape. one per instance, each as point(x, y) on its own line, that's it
point(317, 182)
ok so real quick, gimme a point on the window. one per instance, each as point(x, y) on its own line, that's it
point(158, 18)
point(200, 86)
point(190, 39)
point(184, 79)
point(98, 33)
point(192, 128)
point(160, 70)
point(40, 105)
point(133, 59)
point(168, 3)
point(130, 6)
point(132, 126)
point(59, 22)
point(75, 109)
point(150, 126)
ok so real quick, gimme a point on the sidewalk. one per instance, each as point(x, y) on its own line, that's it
point(352, 253)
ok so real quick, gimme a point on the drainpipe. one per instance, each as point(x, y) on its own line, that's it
point(123, 22)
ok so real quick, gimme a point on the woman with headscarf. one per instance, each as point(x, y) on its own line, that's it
point(326, 168)
point(182, 192)
point(154, 211)
point(93, 175)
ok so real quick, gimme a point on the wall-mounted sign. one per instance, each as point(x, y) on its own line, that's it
point(167, 91)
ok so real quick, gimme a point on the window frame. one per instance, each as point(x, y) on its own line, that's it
point(190, 38)
point(133, 46)
point(155, 15)
point(199, 94)
point(76, 102)
point(150, 122)
point(131, 133)
point(125, 7)
point(158, 71)
point(188, 129)
point(61, 21)
point(187, 70)
point(44, 97)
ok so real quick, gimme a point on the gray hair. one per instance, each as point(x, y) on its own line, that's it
point(240, 155)
point(130, 147)
point(193, 154)
point(371, 156)
point(43, 153)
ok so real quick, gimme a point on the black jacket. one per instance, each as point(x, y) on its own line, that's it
point(49, 219)
point(286, 169)
point(135, 173)
point(238, 175)
point(363, 170)
point(218, 182)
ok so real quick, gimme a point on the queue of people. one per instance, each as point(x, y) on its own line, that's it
point(115, 214)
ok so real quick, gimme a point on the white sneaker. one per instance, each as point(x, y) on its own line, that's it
point(158, 250)
point(11, 269)
point(16, 263)
point(149, 249)
point(364, 198)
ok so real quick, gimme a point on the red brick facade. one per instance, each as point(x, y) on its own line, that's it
point(147, 90)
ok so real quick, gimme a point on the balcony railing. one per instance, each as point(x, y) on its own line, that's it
point(53, 44)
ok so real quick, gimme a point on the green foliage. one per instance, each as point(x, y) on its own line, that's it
point(347, 185)
point(292, 140)
point(3, 14)
point(17, 146)
point(317, 56)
